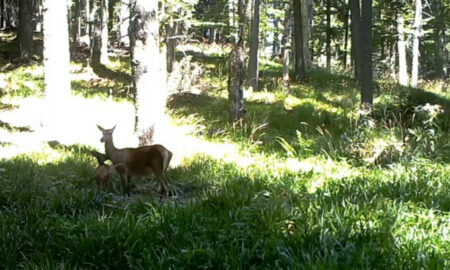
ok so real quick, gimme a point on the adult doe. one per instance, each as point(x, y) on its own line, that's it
point(139, 161)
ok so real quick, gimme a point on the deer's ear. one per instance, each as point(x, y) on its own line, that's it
point(114, 127)
point(101, 129)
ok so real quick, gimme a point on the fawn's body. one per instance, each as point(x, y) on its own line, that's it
point(139, 161)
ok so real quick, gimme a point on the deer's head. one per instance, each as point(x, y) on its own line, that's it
point(107, 133)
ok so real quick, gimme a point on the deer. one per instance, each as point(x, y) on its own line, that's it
point(140, 161)
point(103, 171)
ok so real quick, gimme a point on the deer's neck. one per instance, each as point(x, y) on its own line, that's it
point(111, 151)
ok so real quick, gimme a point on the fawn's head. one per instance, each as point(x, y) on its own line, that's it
point(107, 133)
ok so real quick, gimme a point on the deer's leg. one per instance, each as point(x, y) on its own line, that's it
point(164, 185)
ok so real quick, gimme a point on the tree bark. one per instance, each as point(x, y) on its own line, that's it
point(366, 48)
point(356, 36)
point(148, 71)
point(171, 44)
point(416, 42)
point(287, 45)
point(401, 47)
point(307, 8)
point(236, 83)
point(300, 73)
point(440, 39)
point(346, 26)
point(26, 29)
point(328, 32)
point(254, 45)
point(104, 32)
point(95, 29)
point(124, 18)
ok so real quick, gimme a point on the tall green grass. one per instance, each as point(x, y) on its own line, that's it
point(337, 208)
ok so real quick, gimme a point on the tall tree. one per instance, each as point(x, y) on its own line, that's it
point(148, 70)
point(417, 33)
point(124, 21)
point(254, 45)
point(440, 24)
point(366, 56)
point(300, 73)
point(56, 60)
point(104, 32)
point(328, 32)
point(287, 44)
point(356, 36)
point(401, 47)
point(26, 28)
point(236, 73)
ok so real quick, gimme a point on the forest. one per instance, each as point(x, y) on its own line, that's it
point(225, 134)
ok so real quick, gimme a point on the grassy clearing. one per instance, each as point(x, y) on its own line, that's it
point(311, 186)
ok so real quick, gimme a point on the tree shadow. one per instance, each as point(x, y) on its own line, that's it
point(213, 112)
point(104, 72)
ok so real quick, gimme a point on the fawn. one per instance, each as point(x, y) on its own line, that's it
point(140, 161)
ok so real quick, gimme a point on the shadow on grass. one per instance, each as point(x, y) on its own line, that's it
point(104, 72)
point(10, 127)
point(281, 122)
point(256, 222)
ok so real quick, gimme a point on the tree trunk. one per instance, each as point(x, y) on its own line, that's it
point(307, 8)
point(2, 15)
point(356, 37)
point(254, 45)
point(232, 20)
point(328, 44)
point(26, 29)
point(87, 11)
point(148, 71)
point(95, 22)
point(104, 32)
point(440, 39)
point(124, 19)
point(401, 46)
point(416, 42)
point(236, 83)
point(287, 46)
point(56, 64)
point(366, 48)
point(299, 52)
point(346, 26)
point(171, 44)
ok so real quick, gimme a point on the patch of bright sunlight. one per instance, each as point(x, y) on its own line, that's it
point(322, 106)
point(264, 97)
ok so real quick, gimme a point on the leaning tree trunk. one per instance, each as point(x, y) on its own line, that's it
point(104, 32)
point(416, 42)
point(26, 29)
point(366, 49)
point(401, 47)
point(254, 45)
point(300, 73)
point(148, 74)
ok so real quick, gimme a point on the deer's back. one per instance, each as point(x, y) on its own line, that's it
point(143, 160)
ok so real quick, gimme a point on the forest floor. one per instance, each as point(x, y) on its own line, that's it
point(307, 183)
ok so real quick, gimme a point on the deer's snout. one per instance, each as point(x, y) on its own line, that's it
point(102, 140)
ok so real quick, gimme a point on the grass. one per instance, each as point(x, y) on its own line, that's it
point(306, 189)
